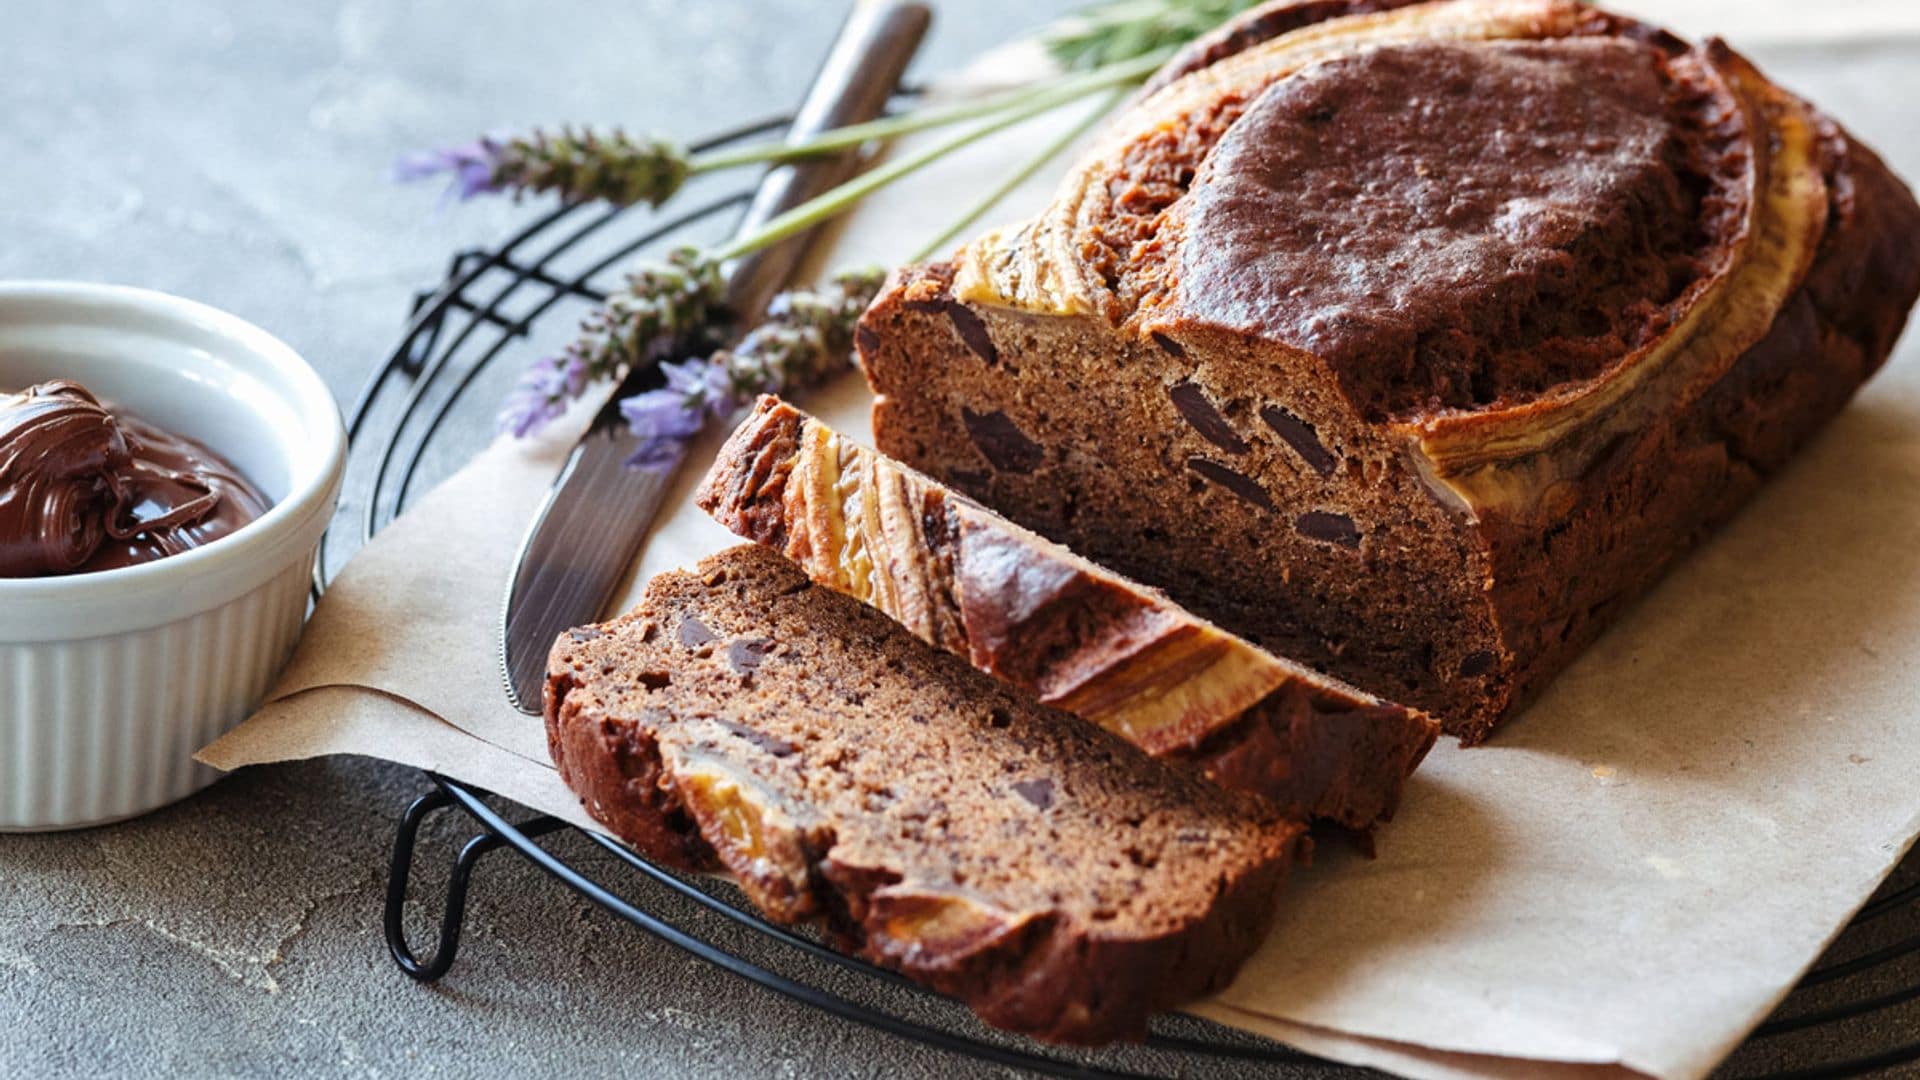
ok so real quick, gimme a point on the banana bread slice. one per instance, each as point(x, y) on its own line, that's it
point(1049, 875)
point(1026, 609)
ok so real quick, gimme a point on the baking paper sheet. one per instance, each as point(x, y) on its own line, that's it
point(1627, 880)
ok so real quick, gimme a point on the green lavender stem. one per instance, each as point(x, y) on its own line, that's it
point(624, 330)
point(1051, 94)
point(841, 199)
point(1107, 32)
point(613, 166)
point(1017, 177)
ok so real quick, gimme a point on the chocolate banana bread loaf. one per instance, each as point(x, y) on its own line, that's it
point(1411, 342)
point(1029, 611)
point(1054, 878)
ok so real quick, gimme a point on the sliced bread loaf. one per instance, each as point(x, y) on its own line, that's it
point(1411, 342)
point(1055, 879)
point(1034, 614)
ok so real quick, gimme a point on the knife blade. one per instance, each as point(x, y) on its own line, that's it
point(596, 517)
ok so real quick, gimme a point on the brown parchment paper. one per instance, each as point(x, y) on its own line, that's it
point(1626, 880)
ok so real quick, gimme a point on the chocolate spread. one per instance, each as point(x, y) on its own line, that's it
point(86, 487)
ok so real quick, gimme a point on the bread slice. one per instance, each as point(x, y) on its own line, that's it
point(1054, 878)
point(1410, 342)
point(1034, 614)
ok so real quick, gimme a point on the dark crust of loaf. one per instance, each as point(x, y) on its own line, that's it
point(1630, 172)
point(1049, 974)
point(615, 769)
point(1023, 608)
point(1270, 20)
point(1178, 501)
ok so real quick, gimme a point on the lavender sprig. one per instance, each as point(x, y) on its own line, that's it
point(811, 329)
point(577, 164)
point(661, 308)
point(581, 164)
point(626, 330)
point(807, 337)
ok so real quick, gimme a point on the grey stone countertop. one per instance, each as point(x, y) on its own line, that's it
point(236, 153)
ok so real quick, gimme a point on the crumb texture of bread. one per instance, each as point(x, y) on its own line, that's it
point(1054, 878)
point(1030, 612)
point(1411, 342)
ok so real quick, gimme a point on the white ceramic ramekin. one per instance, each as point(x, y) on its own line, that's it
point(109, 682)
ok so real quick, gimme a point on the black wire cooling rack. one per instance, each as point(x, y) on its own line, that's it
point(429, 405)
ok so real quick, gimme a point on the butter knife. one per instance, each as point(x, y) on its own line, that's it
point(596, 518)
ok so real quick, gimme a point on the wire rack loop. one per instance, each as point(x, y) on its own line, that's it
point(453, 915)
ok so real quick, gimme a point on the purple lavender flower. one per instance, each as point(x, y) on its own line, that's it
point(668, 418)
point(692, 380)
point(665, 423)
point(662, 307)
point(574, 374)
point(807, 338)
point(474, 167)
point(542, 394)
point(578, 165)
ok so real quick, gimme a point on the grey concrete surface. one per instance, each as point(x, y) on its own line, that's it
point(235, 152)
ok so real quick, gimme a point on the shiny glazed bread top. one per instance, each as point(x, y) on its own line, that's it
point(1503, 232)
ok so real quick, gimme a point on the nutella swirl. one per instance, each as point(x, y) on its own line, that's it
point(85, 487)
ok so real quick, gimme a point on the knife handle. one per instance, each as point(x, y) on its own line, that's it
point(852, 86)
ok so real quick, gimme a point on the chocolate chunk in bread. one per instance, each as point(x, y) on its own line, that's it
point(1049, 875)
point(1031, 612)
point(1413, 342)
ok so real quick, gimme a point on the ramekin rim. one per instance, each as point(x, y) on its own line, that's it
point(311, 399)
